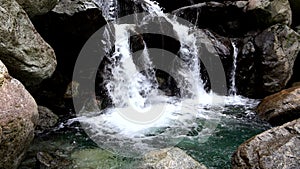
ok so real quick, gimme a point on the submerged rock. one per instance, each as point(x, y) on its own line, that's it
point(49, 161)
point(18, 117)
point(278, 47)
point(98, 158)
point(276, 148)
point(27, 56)
point(33, 7)
point(281, 107)
point(171, 158)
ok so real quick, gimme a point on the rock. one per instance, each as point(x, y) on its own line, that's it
point(171, 158)
point(281, 107)
point(47, 119)
point(278, 47)
point(18, 117)
point(98, 158)
point(225, 18)
point(247, 71)
point(70, 7)
point(40, 7)
point(49, 161)
point(27, 56)
point(276, 148)
point(66, 28)
point(72, 90)
point(269, 12)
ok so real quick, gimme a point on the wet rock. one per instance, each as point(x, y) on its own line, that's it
point(18, 118)
point(225, 18)
point(247, 68)
point(281, 107)
point(269, 12)
point(98, 158)
point(276, 148)
point(47, 119)
point(171, 158)
point(33, 7)
point(278, 47)
point(27, 56)
point(49, 161)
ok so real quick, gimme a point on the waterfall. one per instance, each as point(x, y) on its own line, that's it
point(142, 117)
point(232, 90)
point(109, 9)
point(127, 85)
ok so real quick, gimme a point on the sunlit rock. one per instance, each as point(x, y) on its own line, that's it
point(276, 148)
point(18, 117)
point(281, 107)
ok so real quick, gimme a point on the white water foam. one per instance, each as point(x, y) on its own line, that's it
point(142, 118)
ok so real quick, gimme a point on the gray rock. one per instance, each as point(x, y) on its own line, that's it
point(276, 148)
point(18, 117)
point(278, 47)
point(70, 7)
point(269, 12)
point(37, 7)
point(27, 56)
point(47, 119)
point(281, 107)
point(171, 158)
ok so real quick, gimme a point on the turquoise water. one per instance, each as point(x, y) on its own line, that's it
point(70, 143)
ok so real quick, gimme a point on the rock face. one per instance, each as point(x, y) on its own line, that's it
point(33, 7)
point(269, 12)
point(281, 107)
point(278, 47)
point(27, 56)
point(171, 158)
point(18, 117)
point(276, 148)
point(66, 28)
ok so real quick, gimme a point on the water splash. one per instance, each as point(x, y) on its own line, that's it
point(143, 118)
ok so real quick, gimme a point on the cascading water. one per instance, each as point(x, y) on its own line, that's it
point(109, 9)
point(143, 118)
point(207, 126)
point(232, 90)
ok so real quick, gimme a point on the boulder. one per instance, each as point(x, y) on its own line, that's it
point(276, 148)
point(269, 12)
point(278, 47)
point(281, 107)
point(18, 117)
point(40, 7)
point(27, 56)
point(47, 119)
point(171, 158)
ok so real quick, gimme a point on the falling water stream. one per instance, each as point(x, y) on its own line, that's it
point(206, 125)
